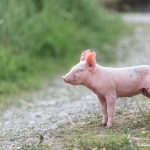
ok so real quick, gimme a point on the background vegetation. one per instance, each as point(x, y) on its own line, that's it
point(41, 37)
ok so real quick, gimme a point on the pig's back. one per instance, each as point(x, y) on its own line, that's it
point(129, 71)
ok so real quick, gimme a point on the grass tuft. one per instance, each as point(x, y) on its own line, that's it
point(114, 142)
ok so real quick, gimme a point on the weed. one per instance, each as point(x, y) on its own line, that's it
point(145, 115)
point(119, 112)
point(143, 120)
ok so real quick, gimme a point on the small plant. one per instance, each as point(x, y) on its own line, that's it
point(119, 112)
point(145, 115)
point(61, 125)
point(143, 120)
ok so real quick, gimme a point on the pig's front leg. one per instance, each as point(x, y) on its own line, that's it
point(111, 100)
point(103, 110)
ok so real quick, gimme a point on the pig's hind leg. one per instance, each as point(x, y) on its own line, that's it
point(146, 92)
point(146, 86)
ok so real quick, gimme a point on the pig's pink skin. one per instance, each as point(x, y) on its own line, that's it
point(110, 83)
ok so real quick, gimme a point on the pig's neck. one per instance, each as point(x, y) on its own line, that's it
point(91, 80)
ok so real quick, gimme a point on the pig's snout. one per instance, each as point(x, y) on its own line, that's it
point(64, 78)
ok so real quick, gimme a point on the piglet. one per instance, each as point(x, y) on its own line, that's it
point(109, 83)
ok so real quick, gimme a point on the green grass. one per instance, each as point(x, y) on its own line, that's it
point(36, 147)
point(127, 134)
point(42, 38)
point(111, 142)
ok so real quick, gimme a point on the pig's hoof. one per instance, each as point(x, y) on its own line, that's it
point(109, 125)
point(104, 123)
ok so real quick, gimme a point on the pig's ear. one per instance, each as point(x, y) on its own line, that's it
point(91, 61)
point(84, 55)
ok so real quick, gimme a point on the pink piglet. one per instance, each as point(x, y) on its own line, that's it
point(109, 83)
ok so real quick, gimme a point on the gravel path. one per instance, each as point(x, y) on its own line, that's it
point(58, 103)
point(143, 18)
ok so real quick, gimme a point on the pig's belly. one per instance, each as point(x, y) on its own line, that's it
point(128, 91)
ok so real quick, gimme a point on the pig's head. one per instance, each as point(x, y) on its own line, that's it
point(80, 73)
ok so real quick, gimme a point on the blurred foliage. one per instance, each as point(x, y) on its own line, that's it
point(39, 35)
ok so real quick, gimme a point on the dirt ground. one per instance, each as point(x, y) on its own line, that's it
point(40, 113)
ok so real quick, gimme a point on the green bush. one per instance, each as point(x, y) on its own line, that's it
point(36, 34)
point(12, 67)
point(54, 27)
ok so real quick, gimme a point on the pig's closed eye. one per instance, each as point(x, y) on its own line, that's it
point(81, 70)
